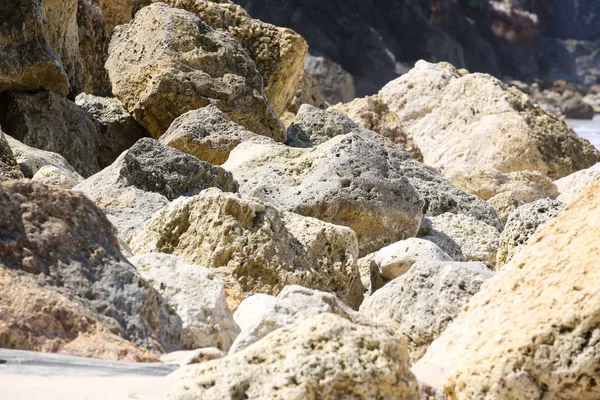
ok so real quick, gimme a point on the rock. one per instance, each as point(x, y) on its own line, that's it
point(396, 259)
point(279, 53)
point(575, 20)
point(185, 65)
point(49, 122)
point(93, 48)
point(254, 248)
point(349, 180)
point(23, 31)
point(463, 238)
point(531, 331)
point(313, 126)
point(570, 187)
point(574, 60)
point(472, 122)
point(64, 241)
point(505, 203)
point(118, 130)
point(39, 318)
point(307, 92)
point(8, 164)
point(421, 303)
point(117, 12)
point(373, 114)
point(195, 313)
point(31, 160)
point(335, 83)
point(58, 177)
point(208, 134)
point(325, 356)
point(187, 357)
point(293, 304)
point(522, 224)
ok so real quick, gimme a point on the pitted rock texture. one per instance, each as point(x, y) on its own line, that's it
point(8, 164)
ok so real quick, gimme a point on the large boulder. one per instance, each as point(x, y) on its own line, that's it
point(373, 114)
point(23, 31)
point(63, 240)
point(571, 186)
point(194, 314)
point(522, 224)
point(473, 122)
point(278, 52)
point(421, 303)
point(49, 122)
point(36, 317)
point(531, 331)
point(253, 247)
point(313, 126)
point(208, 134)
point(8, 164)
point(262, 314)
point(353, 180)
point(185, 65)
point(336, 84)
point(118, 130)
point(54, 176)
point(325, 356)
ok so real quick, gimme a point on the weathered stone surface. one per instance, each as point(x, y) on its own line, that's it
point(194, 313)
point(185, 65)
point(349, 180)
point(23, 31)
point(279, 53)
point(293, 304)
point(396, 259)
point(359, 180)
point(117, 12)
point(573, 185)
point(208, 134)
point(58, 177)
point(325, 356)
point(30, 159)
point(532, 330)
point(254, 248)
point(505, 203)
point(37, 317)
point(66, 242)
point(422, 302)
point(463, 238)
point(463, 121)
point(307, 92)
point(49, 122)
point(336, 84)
point(522, 224)
point(8, 164)
point(313, 126)
point(373, 114)
point(118, 130)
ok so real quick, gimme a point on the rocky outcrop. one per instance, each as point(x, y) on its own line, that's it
point(463, 238)
point(531, 329)
point(573, 185)
point(277, 52)
point(283, 365)
point(313, 126)
point(373, 114)
point(207, 134)
point(117, 129)
point(522, 224)
point(24, 32)
point(194, 312)
point(62, 240)
point(58, 177)
point(463, 122)
point(254, 248)
point(8, 165)
point(421, 303)
point(336, 84)
point(185, 65)
point(49, 122)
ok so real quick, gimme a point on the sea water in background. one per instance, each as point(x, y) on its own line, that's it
point(589, 129)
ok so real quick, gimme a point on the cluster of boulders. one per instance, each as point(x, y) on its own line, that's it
point(423, 226)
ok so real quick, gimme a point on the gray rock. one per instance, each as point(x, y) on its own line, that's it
point(307, 92)
point(464, 238)
point(313, 126)
point(208, 134)
point(422, 302)
point(49, 122)
point(522, 224)
point(59, 177)
point(23, 31)
point(118, 130)
point(8, 164)
point(185, 65)
point(194, 311)
point(336, 84)
point(505, 203)
point(66, 242)
point(263, 314)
